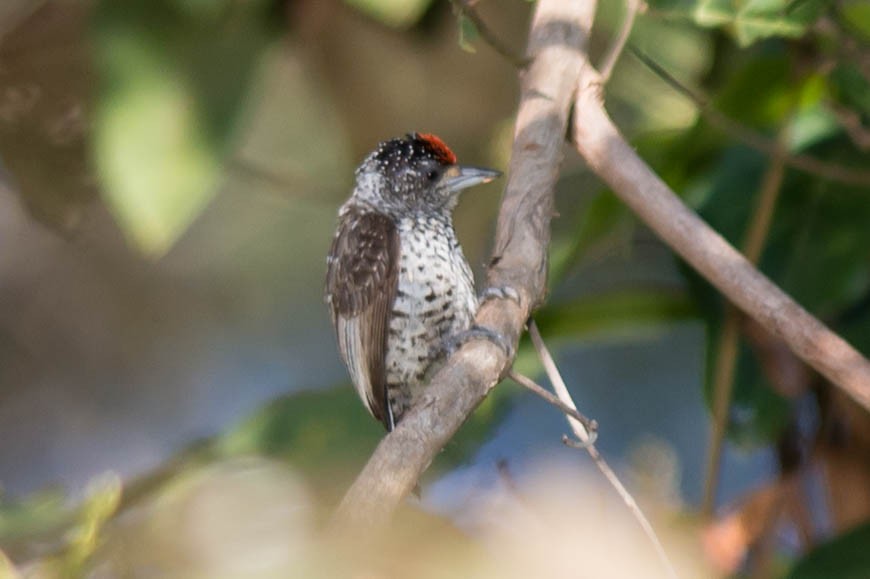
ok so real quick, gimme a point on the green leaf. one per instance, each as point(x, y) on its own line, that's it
point(104, 498)
point(761, 92)
point(393, 13)
point(856, 15)
point(714, 12)
point(811, 126)
point(750, 20)
point(174, 74)
point(36, 514)
point(49, 518)
point(844, 557)
point(851, 87)
point(758, 19)
point(468, 34)
point(758, 414)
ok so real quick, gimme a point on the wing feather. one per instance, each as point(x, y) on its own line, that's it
point(361, 283)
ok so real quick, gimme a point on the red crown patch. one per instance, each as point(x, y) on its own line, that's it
point(438, 148)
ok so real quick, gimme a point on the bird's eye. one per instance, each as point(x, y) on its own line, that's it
point(432, 175)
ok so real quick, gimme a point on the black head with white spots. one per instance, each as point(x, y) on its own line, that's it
point(417, 172)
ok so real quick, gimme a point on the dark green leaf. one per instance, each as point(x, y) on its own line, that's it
point(851, 87)
point(844, 557)
point(468, 34)
point(761, 92)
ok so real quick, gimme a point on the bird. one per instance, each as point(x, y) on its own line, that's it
point(398, 285)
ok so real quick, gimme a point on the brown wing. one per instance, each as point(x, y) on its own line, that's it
point(361, 280)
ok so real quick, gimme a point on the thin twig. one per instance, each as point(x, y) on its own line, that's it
point(752, 138)
point(727, 349)
point(556, 380)
point(850, 120)
point(466, 8)
point(608, 63)
point(587, 444)
point(723, 388)
point(590, 425)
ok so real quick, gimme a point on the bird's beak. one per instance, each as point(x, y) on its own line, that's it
point(457, 178)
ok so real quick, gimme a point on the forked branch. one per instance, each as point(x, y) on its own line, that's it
point(558, 36)
point(587, 442)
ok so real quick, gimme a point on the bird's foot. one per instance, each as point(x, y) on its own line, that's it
point(500, 292)
point(476, 332)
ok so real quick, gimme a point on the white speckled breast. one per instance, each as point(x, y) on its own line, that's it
point(435, 299)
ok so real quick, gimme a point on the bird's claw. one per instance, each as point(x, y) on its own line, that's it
point(580, 444)
point(476, 332)
point(500, 292)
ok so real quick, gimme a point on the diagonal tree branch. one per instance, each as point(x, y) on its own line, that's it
point(618, 165)
point(558, 37)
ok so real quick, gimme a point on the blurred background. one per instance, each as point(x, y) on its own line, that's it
point(170, 172)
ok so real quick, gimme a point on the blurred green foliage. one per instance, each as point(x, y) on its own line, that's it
point(846, 557)
point(750, 20)
point(328, 436)
point(856, 15)
point(71, 534)
point(395, 13)
point(324, 436)
point(173, 77)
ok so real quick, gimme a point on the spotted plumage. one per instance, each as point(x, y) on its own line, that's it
point(398, 284)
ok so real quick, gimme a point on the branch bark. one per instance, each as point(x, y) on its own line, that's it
point(557, 41)
point(617, 164)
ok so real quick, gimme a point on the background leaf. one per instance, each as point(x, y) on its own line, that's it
point(845, 557)
point(467, 34)
point(174, 75)
point(394, 13)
